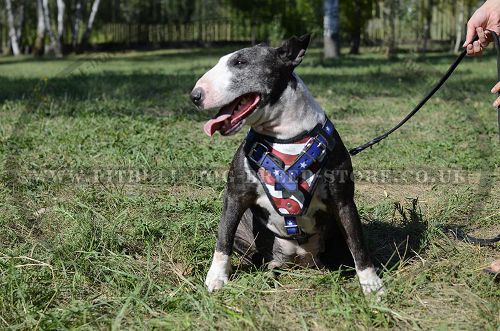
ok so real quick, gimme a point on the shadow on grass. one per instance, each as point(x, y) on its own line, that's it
point(393, 243)
point(89, 86)
point(152, 86)
point(138, 55)
point(390, 243)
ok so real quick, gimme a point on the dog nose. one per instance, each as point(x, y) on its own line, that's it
point(197, 96)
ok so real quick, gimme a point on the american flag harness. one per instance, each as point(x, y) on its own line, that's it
point(289, 169)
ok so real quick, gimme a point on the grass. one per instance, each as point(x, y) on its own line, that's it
point(111, 195)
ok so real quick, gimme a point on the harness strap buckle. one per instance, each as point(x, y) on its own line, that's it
point(253, 150)
point(321, 146)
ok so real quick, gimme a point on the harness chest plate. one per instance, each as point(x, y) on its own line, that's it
point(289, 169)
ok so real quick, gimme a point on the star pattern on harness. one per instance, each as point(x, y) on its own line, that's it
point(289, 184)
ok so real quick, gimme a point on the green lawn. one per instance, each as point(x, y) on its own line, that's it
point(108, 220)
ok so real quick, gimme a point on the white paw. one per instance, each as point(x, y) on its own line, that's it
point(375, 285)
point(218, 274)
point(370, 282)
point(215, 281)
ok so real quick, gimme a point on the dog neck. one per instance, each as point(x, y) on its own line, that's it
point(294, 113)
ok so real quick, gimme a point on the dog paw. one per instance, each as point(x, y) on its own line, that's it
point(218, 274)
point(375, 286)
point(215, 281)
point(371, 282)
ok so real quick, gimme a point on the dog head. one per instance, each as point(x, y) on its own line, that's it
point(245, 82)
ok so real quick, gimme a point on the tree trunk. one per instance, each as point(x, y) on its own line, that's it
point(390, 14)
point(427, 25)
point(54, 45)
point(19, 22)
point(331, 37)
point(60, 22)
point(40, 30)
point(254, 31)
point(356, 32)
point(459, 26)
point(76, 24)
point(12, 29)
point(1, 38)
point(90, 23)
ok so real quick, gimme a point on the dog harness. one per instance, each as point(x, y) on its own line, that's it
point(289, 169)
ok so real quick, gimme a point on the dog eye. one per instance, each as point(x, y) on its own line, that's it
point(239, 63)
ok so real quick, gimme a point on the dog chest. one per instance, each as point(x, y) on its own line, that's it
point(275, 222)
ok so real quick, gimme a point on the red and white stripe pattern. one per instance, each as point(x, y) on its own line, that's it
point(285, 202)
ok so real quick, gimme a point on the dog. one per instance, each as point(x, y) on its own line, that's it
point(267, 216)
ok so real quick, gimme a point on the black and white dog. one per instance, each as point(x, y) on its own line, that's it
point(257, 86)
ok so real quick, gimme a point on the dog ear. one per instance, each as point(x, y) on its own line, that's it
point(293, 50)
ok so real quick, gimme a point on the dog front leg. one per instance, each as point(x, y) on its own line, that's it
point(220, 268)
point(351, 227)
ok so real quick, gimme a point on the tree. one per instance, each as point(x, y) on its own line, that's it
point(391, 9)
point(60, 22)
point(19, 21)
point(354, 19)
point(90, 23)
point(459, 6)
point(426, 34)
point(258, 11)
point(55, 46)
point(75, 31)
point(281, 18)
point(331, 36)
point(356, 31)
point(13, 34)
point(40, 30)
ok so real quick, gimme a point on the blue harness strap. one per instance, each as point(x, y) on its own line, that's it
point(262, 158)
point(258, 153)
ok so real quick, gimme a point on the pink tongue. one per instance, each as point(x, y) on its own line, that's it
point(215, 124)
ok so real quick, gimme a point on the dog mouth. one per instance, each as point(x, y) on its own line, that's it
point(230, 118)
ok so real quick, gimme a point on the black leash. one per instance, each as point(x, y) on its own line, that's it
point(436, 87)
point(460, 234)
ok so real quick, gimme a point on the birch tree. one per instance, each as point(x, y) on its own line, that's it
point(12, 28)
point(90, 23)
point(55, 47)
point(75, 31)
point(19, 21)
point(60, 22)
point(331, 37)
point(40, 30)
point(459, 25)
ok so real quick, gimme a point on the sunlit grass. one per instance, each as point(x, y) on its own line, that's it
point(133, 253)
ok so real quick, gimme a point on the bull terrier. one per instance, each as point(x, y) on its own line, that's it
point(290, 189)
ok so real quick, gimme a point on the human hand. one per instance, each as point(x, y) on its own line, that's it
point(496, 89)
point(486, 17)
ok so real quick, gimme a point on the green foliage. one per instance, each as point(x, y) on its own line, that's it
point(349, 18)
point(283, 17)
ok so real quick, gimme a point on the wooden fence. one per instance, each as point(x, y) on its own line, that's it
point(207, 31)
point(239, 30)
point(409, 30)
point(443, 29)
